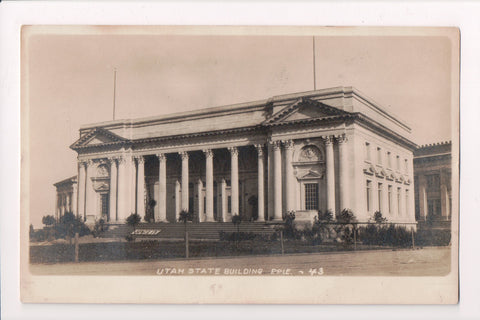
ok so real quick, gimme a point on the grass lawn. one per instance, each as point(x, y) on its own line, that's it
point(118, 251)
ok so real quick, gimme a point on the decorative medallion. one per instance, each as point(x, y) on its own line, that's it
point(310, 153)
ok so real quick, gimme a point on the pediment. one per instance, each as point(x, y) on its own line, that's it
point(304, 109)
point(97, 137)
point(312, 175)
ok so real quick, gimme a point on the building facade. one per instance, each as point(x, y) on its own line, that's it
point(323, 150)
point(433, 182)
point(66, 197)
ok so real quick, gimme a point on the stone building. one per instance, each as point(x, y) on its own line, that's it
point(323, 150)
point(433, 182)
point(66, 197)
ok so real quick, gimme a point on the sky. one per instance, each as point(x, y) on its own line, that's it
point(68, 79)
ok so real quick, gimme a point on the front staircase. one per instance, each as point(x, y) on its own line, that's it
point(196, 231)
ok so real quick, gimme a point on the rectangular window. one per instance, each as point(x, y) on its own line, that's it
point(389, 199)
point(369, 195)
point(433, 182)
point(311, 196)
point(434, 207)
point(399, 201)
point(389, 159)
point(229, 204)
point(367, 151)
point(104, 200)
point(379, 155)
point(406, 201)
point(398, 162)
point(380, 187)
point(406, 165)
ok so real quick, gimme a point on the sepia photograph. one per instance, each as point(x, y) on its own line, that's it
point(239, 164)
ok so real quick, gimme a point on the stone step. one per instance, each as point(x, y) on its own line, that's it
point(206, 230)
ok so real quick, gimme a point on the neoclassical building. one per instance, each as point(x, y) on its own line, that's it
point(433, 181)
point(323, 150)
point(66, 196)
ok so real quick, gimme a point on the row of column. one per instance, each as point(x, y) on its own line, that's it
point(423, 196)
point(66, 202)
point(123, 179)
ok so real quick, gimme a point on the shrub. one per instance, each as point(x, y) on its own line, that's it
point(345, 230)
point(68, 225)
point(385, 235)
point(185, 216)
point(99, 228)
point(133, 220)
point(289, 225)
point(378, 217)
point(346, 216)
point(326, 216)
point(433, 237)
point(48, 220)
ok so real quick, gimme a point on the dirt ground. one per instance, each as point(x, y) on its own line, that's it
point(432, 261)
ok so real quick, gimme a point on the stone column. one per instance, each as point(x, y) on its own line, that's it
point(209, 185)
point(289, 179)
point(81, 189)
point(270, 195)
point(113, 189)
point(201, 216)
point(131, 167)
point(234, 179)
point(141, 185)
point(223, 200)
point(277, 181)
point(343, 176)
point(122, 209)
point(74, 198)
point(91, 200)
point(443, 195)
point(178, 202)
point(184, 156)
point(261, 186)
point(162, 188)
point(125, 187)
point(422, 197)
point(68, 205)
point(330, 168)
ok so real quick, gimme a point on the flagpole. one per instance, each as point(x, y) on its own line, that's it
point(313, 53)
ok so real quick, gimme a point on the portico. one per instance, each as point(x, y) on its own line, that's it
point(260, 160)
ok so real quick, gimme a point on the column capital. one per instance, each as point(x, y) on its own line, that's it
point(90, 162)
point(276, 145)
point(183, 155)
point(112, 159)
point(288, 144)
point(82, 163)
point(161, 156)
point(233, 150)
point(259, 148)
point(140, 159)
point(328, 140)
point(208, 153)
point(342, 138)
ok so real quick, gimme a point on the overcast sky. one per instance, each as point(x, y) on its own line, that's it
point(70, 83)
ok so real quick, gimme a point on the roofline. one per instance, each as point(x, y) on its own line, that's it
point(258, 104)
point(65, 180)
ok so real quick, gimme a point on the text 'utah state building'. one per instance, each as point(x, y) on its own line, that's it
point(320, 150)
